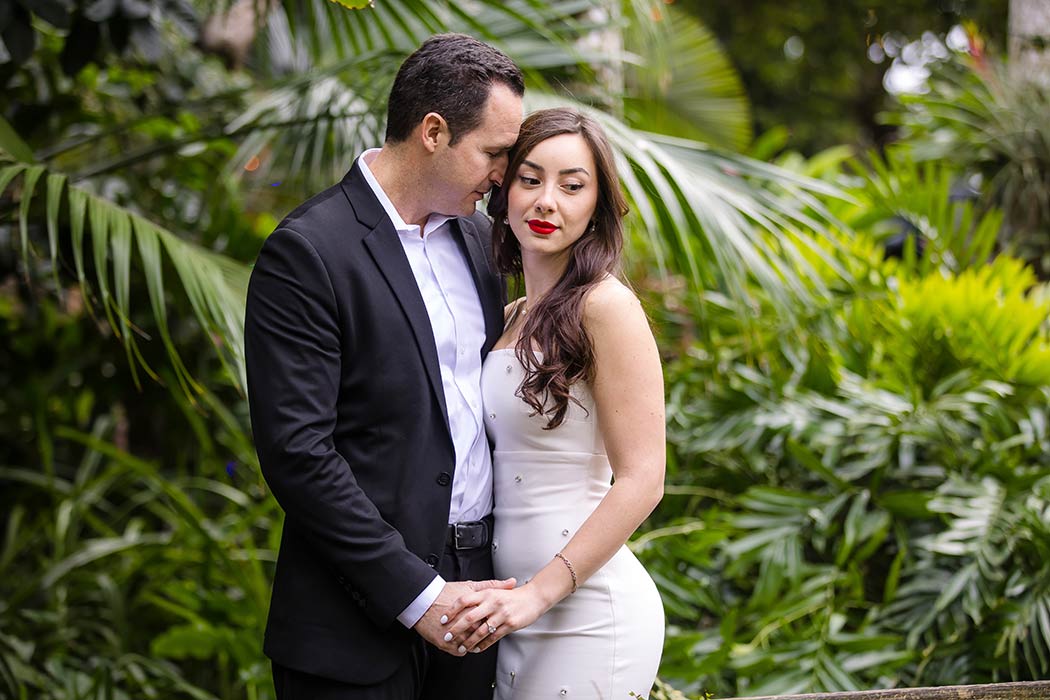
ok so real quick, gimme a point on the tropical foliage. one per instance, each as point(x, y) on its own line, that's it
point(859, 497)
point(858, 483)
point(991, 125)
point(860, 505)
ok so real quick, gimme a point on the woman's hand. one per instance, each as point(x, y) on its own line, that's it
point(473, 617)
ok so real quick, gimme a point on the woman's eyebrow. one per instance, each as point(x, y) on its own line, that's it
point(566, 171)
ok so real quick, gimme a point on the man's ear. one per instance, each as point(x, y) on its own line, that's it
point(434, 131)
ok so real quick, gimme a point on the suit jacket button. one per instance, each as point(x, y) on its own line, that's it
point(444, 479)
point(432, 559)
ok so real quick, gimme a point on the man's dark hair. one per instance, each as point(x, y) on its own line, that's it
point(450, 74)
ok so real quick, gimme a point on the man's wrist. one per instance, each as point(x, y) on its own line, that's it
point(418, 607)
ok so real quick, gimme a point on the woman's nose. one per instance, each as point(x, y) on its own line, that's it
point(544, 201)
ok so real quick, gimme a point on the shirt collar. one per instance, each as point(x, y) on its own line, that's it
point(434, 222)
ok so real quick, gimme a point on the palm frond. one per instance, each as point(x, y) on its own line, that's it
point(306, 131)
point(213, 284)
point(536, 34)
point(956, 233)
point(681, 83)
point(342, 63)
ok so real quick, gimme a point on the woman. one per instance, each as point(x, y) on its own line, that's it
point(573, 400)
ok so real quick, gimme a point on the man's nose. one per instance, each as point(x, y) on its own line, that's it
point(499, 169)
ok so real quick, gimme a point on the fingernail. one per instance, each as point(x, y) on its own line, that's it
point(444, 619)
point(462, 649)
point(475, 650)
point(448, 636)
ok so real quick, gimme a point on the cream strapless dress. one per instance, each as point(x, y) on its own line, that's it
point(604, 641)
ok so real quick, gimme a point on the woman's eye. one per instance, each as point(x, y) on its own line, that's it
point(527, 180)
point(573, 186)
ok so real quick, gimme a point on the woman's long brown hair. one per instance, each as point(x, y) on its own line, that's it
point(554, 326)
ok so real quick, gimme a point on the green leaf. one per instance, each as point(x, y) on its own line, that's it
point(11, 142)
point(9, 173)
point(198, 641)
point(214, 284)
point(354, 4)
point(31, 175)
point(959, 581)
point(93, 550)
point(906, 504)
point(55, 183)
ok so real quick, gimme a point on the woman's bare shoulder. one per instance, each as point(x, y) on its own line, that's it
point(608, 300)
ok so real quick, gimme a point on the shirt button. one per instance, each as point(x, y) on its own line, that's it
point(444, 479)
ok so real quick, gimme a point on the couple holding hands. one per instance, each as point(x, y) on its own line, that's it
point(456, 472)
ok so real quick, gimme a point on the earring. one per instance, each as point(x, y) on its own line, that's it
point(591, 229)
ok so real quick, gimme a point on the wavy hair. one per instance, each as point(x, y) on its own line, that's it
point(553, 329)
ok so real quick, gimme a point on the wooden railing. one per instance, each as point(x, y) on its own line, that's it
point(1032, 690)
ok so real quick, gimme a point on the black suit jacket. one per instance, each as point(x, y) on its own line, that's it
point(351, 428)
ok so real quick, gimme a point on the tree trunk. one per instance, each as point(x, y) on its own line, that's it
point(230, 34)
point(1029, 30)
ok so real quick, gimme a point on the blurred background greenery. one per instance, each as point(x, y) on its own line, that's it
point(840, 226)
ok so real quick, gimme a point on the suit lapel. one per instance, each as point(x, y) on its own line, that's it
point(485, 281)
point(389, 256)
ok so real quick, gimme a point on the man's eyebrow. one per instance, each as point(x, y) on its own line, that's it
point(566, 171)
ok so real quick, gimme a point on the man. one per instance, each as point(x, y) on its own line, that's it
point(369, 312)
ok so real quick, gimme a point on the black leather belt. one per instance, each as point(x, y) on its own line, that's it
point(473, 534)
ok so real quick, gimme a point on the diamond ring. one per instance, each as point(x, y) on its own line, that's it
point(492, 630)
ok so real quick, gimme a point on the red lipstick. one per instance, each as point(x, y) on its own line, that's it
point(544, 228)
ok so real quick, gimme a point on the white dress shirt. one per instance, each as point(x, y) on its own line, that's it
point(458, 322)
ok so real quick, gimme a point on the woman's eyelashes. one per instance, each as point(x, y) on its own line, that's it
point(531, 181)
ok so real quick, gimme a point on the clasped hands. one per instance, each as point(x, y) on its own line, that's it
point(471, 616)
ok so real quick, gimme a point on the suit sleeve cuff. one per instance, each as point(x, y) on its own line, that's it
point(410, 615)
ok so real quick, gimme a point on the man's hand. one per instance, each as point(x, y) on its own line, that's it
point(430, 626)
point(480, 619)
